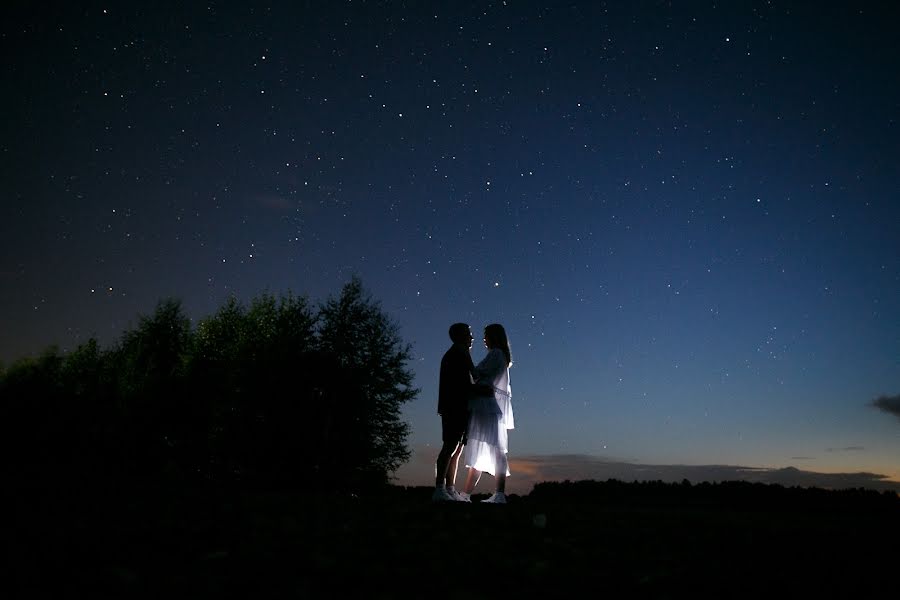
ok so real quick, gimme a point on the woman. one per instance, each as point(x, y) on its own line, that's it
point(491, 417)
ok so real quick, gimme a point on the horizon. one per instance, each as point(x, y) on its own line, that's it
point(534, 469)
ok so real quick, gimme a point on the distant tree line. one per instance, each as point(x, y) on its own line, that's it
point(277, 393)
point(714, 495)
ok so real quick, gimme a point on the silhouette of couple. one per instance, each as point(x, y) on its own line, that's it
point(475, 406)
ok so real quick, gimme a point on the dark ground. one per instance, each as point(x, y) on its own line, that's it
point(610, 539)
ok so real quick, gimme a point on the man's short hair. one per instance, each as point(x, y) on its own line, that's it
point(459, 333)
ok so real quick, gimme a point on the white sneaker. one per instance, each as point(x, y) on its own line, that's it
point(460, 496)
point(441, 495)
point(497, 498)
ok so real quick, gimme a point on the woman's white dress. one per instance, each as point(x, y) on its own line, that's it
point(491, 417)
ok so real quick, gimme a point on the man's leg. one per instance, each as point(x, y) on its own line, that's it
point(453, 465)
point(441, 466)
point(454, 429)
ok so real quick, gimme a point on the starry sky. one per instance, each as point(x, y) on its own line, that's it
point(685, 214)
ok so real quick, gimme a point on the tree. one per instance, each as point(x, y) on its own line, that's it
point(33, 411)
point(248, 364)
point(158, 418)
point(367, 434)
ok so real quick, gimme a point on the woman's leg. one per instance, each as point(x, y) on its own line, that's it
point(472, 478)
point(502, 467)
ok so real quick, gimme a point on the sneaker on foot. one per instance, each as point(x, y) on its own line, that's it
point(441, 495)
point(497, 498)
point(461, 496)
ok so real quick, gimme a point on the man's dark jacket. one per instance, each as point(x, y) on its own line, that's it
point(455, 384)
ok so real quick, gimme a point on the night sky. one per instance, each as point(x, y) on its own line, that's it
point(685, 214)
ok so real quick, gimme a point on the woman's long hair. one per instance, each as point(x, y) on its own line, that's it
point(496, 338)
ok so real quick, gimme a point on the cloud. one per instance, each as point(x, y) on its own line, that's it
point(845, 449)
point(888, 404)
point(274, 202)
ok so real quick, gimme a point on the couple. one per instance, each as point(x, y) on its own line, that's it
point(476, 411)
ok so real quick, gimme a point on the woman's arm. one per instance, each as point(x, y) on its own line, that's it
point(491, 366)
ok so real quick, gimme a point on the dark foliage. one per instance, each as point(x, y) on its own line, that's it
point(360, 343)
point(274, 394)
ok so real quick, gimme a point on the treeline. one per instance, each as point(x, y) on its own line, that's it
point(726, 494)
point(276, 393)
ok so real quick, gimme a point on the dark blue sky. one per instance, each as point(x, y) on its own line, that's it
point(685, 214)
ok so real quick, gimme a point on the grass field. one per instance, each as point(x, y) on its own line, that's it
point(601, 540)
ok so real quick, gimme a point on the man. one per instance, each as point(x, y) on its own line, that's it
point(454, 389)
